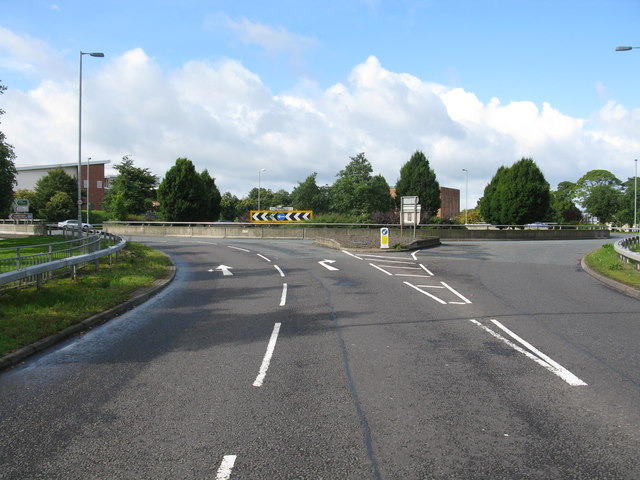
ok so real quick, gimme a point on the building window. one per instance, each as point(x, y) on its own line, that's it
point(86, 183)
point(99, 184)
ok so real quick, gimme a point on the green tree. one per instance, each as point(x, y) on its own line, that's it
point(628, 202)
point(133, 187)
point(181, 193)
point(211, 198)
point(57, 180)
point(356, 192)
point(309, 196)
point(604, 202)
point(8, 171)
point(418, 179)
point(59, 207)
point(563, 210)
point(517, 195)
point(229, 207)
point(592, 179)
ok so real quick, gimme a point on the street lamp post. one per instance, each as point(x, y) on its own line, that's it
point(635, 199)
point(92, 54)
point(259, 188)
point(466, 197)
point(624, 49)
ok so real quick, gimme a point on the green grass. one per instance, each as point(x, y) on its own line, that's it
point(606, 262)
point(28, 315)
point(31, 242)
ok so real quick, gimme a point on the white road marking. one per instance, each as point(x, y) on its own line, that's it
point(279, 270)
point(413, 255)
point(224, 269)
point(426, 270)
point(402, 267)
point(283, 298)
point(351, 254)
point(411, 275)
point(224, 471)
point(552, 366)
point(238, 248)
point(267, 356)
point(462, 297)
point(325, 263)
point(389, 260)
point(263, 257)
point(426, 293)
point(381, 269)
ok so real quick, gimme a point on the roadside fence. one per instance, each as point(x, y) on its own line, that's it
point(623, 249)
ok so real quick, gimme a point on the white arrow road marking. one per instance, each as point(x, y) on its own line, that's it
point(224, 472)
point(533, 353)
point(267, 357)
point(328, 267)
point(224, 269)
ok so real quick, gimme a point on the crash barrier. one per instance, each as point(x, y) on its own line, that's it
point(35, 268)
point(330, 230)
point(623, 249)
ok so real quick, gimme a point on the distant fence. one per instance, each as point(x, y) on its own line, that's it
point(27, 267)
point(623, 249)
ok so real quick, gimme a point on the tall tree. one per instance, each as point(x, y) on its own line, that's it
point(57, 180)
point(356, 192)
point(516, 195)
point(8, 171)
point(592, 179)
point(181, 193)
point(134, 189)
point(418, 179)
point(211, 198)
point(309, 196)
point(229, 207)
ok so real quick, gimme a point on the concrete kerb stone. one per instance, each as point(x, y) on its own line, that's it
point(138, 297)
point(621, 287)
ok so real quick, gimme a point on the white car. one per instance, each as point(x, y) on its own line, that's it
point(73, 224)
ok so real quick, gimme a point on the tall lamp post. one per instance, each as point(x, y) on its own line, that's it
point(635, 199)
point(466, 197)
point(88, 187)
point(259, 178)
point(624, 49)
point(92, 54)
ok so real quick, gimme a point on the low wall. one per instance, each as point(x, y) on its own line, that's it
point(300, 232)
point(22, 229)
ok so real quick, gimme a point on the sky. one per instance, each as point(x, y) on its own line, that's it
point(294, 88)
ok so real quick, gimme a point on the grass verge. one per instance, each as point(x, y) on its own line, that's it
point(28, 315)
point(606, 262)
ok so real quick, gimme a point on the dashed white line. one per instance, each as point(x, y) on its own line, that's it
point(267, 357)
point(263, 257)
point(224, 471)
point(279, 270)
point(283, 298)
point(238, 248)
point(536, 356)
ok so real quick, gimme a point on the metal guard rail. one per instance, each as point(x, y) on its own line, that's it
point(36, 270)
point(622, 248)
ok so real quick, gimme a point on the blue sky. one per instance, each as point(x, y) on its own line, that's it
point(297, 87)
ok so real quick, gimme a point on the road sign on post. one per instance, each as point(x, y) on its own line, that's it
point(384, 237)
point(280, 216)
point(409, 213)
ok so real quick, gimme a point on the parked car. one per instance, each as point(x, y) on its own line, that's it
point(73, 224)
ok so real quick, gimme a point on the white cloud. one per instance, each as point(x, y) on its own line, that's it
point(223, 118)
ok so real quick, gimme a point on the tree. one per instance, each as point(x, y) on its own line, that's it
point(211, 198)
point(8, 171)
point(356, 192)
point(135, 189)
point(57, 180)
point(418, 179)
point(309, 196)
point(628, 202)
point(563, 210)
point(603, 202)
point(229, 207)
point(516, 195)
point(181, 193)
point(592, 179)
point(59, 207)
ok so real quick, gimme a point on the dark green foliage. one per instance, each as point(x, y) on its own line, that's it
point(7, 171)
point(309, 196)
point(211, 198)
point(516, 195)
point(356, 192)
point(57, 180)
point(229, 207)
point(60, 207)
point(418, 179)
point(603, 202)
point(132, 192)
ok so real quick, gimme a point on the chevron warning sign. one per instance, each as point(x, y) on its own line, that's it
point(280, 216)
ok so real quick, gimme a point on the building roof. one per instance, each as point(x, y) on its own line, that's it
point(63, 165)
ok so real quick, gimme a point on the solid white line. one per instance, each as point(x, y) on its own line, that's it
point(426, 293)
point(426, 269)
point(537, 352)
point(224, 471)
point(456, 293)
point(267, 356)
point(263, 257)
point(575, 381)
point(351, 254)
point(388, 260)
point(403, 267)
point(279, 270)
point(381, 269)
point(238, 248)
point(283, 298)
point(413, 255)
point(411, 275)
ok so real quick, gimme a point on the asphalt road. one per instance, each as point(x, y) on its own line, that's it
point(485, 360)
